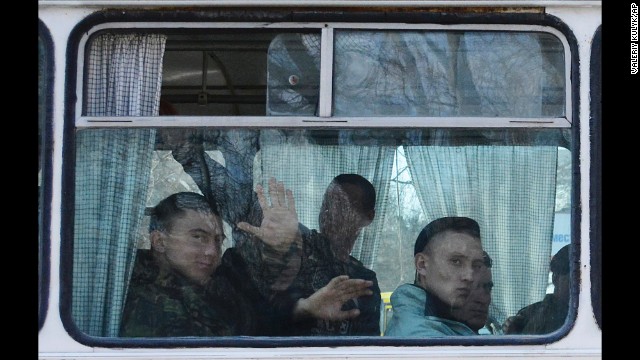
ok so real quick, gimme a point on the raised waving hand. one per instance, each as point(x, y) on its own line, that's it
point(279, 227)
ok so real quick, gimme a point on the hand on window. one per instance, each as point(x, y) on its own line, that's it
point(279, 228)
point(327, 302)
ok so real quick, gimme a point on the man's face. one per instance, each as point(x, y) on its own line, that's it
point(448, 266)
point(475, 310)
point(341, 217)
point(193, 246)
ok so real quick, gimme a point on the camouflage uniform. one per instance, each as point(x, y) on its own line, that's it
point(231, 186)
point(318, 267)
point(544, 316)
point(164, 303)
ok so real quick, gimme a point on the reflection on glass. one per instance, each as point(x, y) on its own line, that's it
point(248, 73)
point(375, 73)
point(508, 180)
point(452, 73)
point(550, 313)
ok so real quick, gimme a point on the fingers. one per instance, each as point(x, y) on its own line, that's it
point(250, 229)
point(345, 289)
point(343, 283)
point(354, 288)
point(327, 302)
point(273, 192)
point(279, 195)
point(337, 280)
point(346, 314)
point(292, 203)
point(261, 199)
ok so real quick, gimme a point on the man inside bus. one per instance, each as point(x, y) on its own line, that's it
point(187, 287)
point(475, 311)
point(448, 257)
point(347, 207)
point(549, 314)
point(232, 184)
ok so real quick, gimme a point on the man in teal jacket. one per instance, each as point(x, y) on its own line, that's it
point(449, 258)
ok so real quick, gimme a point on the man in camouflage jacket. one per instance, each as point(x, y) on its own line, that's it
point(347, 207)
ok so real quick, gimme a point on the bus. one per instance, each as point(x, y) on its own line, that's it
point(481, 109)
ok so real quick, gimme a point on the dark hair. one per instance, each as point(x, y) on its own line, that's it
point(369, 192)
point(560, 261)
point(175, 205)
point(457, 223)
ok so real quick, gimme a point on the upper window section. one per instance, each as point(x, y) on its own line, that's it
point(448, 73)
point(224, 73)
point(336, 72)
point(243, 74)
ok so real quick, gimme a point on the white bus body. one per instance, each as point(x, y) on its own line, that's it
point(67, 27)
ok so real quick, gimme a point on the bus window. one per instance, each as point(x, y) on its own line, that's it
point(420, 112)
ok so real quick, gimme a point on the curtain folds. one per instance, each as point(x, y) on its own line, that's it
point(112, 175)
point(510, 191)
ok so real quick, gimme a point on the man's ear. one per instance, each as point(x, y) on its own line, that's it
point(157, 239)
point(421, 260)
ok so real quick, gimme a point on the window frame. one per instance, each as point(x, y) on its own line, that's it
point(324, 19)
point(45, 133)
point(595, 193)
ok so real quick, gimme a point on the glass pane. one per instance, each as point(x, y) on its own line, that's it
point(249, 73)
point(452, 73)
point(138, 272)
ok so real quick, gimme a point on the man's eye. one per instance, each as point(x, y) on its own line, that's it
point(456, 261)
point(200, 238)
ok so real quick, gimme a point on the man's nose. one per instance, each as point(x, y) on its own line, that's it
point(210, 248)
point(467, 273)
